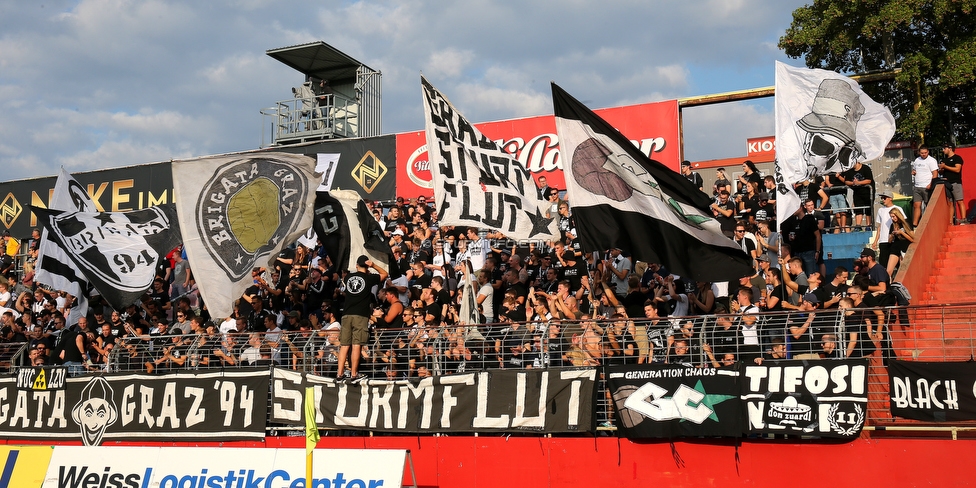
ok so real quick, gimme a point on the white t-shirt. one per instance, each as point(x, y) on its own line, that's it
point(487, 307)
point(923, 171)
point(228, 326)
point(884, 222)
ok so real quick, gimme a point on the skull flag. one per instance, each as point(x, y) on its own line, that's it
point(824, 124)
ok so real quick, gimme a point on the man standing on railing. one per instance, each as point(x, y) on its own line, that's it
point(354, 334)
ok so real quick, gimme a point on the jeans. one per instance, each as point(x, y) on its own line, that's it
point(75, 368)
point(809, 259)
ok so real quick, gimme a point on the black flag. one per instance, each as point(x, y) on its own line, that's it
point(622, 198)
point(347, 230)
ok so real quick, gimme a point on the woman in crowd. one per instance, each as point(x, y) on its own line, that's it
point(900, 237)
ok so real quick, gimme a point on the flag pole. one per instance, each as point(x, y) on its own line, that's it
point(311, 433)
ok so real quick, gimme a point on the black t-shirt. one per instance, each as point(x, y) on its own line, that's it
point(359, 288)
point(861, 192)
point(951, 176)
point(442, 298)
point(800, 233)
point(573, 275)
point(285, 268)
point(161, 266)
point(727, 223)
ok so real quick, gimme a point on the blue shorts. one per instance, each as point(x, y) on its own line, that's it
point(838, 203)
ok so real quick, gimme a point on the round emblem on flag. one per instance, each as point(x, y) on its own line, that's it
point(589, 168)
point(247, 208)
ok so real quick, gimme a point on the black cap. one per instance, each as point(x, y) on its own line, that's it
point(867, 251)
point(361, 261)
point(686, 163)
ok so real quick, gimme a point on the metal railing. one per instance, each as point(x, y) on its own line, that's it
point(305, 119)
point(946, 333)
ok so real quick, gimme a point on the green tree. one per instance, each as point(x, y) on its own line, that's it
point(933, 97)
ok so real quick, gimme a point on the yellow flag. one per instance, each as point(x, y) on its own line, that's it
point(311, 430)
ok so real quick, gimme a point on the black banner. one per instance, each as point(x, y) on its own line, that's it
point(207, 406)
point(341, 235)
point(112, 190)
point(667, 400)
point(366, 165)
point(549, 400)
point(819, 398)
point(934, 392)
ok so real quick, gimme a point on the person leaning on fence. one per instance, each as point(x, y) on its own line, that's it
point(747, 318)
point(723, 360)
point(900, 238)
point(621, 341)
point(776, 352)
point(828, 347)
point(800, 328)
point(861, 324)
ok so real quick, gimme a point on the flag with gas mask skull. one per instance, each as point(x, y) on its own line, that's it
point(825, 123)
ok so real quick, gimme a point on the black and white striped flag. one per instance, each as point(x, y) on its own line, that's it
point(54, 268)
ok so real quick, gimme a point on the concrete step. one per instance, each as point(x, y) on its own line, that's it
point(955, 279)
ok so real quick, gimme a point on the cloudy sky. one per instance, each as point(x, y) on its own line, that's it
point(92, 84)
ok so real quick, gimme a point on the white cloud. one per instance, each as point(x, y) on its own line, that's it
point(113, 151)
point(106, 83)
point(448, 63)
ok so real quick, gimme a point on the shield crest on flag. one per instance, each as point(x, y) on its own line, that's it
point(247, 208)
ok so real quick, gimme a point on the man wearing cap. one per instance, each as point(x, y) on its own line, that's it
point(952, 171)
point(924, 169)
point(692, 176)
point(877, 273)
point(354, 334)
point(880, 242)
point(396, 239)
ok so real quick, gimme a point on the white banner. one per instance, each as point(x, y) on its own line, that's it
point(189, 467)
point(476, 184)
point(824, 124)
point(238, 212)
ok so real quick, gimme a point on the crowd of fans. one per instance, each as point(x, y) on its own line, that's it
point(530, 304)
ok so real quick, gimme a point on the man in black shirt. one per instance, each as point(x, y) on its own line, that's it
point(355, 318)
point(951, 169)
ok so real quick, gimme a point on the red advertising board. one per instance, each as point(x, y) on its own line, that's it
point(761, 148)
point(653, 127)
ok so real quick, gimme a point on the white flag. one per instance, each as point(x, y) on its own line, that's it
point(54, 268)
point(237, 212)
point(824, 124)
point(476, 184)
